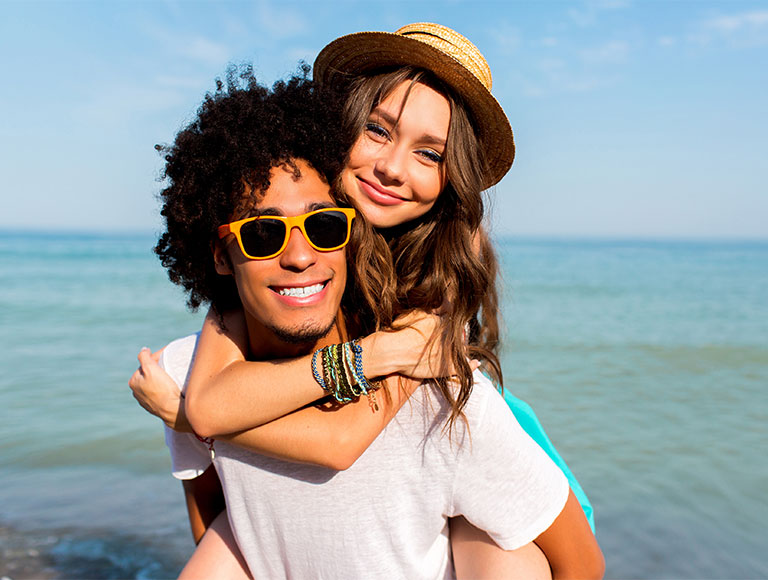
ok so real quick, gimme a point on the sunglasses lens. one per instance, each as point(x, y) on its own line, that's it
point(262, 237)
point(327, 229)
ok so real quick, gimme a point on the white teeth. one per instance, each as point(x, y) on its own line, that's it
point(301, 292)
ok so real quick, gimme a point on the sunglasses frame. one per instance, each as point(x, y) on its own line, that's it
point(290, 223)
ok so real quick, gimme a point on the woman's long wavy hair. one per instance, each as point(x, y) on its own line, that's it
point(443, 259)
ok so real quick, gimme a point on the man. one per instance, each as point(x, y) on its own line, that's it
point(254, 153)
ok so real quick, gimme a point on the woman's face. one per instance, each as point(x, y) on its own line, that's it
point(396, 170)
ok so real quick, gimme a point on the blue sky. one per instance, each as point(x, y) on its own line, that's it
point(632, 119)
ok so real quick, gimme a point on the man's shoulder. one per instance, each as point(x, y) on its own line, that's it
point(484, 395)
point(487, 415)
point(177, 357)
point(428, 413)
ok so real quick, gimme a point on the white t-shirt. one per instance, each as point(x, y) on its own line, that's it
point(387, 515)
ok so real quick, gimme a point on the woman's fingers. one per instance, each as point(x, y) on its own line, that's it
point(153, 388)
point(148, 360)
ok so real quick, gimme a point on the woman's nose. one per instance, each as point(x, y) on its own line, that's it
point(391, 163)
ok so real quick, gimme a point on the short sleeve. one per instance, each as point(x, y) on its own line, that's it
point(506, 484)
point(190, 457)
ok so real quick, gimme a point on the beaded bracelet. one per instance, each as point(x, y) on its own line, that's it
point(316, 374)
point(357, 369)
point(354, 354)
point(337, 359)
point(361, 385)
point(330, 368)
point(342, 373)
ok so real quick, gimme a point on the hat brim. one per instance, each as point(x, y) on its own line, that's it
point(364, 52)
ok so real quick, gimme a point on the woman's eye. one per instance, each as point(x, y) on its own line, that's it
point(430, 155)
point(377, 130)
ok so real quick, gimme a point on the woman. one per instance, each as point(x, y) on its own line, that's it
point(416, 171)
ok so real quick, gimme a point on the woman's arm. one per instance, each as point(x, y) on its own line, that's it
point(331, 436)
point(224, 396)
point(334, 437)
point(227, 394)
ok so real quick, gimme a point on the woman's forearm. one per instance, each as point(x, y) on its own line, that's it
point(333, 437)
point(227, 394)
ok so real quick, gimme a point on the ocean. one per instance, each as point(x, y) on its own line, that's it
point(646, 361)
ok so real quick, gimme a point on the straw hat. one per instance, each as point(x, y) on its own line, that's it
point(450, 57)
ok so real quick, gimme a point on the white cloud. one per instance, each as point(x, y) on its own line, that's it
point(203, 50)
point(738, 22)
point(280, 22)
point(739, 30)
point(551, 64)
point(119, 106)
point(506, 37)
point(554, 76)
point(611, 4)
point(587, 15)
point(196, 48)
point(563, 60)
point(612, 52)
point(666, 41)
point(181, 82)
point(582, 16)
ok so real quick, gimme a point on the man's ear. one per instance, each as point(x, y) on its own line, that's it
point(221, 258)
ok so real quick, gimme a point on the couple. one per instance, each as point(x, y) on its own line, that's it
point(261, 225)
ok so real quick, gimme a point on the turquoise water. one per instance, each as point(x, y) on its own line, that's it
point(647, 362)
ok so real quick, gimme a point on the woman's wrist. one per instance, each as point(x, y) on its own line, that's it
point(378, 359)
point(174, 415)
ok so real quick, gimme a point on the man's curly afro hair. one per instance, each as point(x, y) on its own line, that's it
point(218, 167)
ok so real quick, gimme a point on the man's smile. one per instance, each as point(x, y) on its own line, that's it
point(299, 291)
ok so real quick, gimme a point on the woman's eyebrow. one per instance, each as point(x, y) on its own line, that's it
point(426, 138)
point(386, 115)
point(431, 140)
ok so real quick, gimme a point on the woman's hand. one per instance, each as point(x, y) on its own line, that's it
point(412, 349)
point(157, 392)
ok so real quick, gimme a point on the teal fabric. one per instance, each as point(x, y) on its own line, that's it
point(530, 423)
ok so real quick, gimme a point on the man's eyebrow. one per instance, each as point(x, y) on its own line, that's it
point(320, 205)
point(260, 211)
point(426, 138)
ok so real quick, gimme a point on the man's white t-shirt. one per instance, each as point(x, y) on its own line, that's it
point(387, 515)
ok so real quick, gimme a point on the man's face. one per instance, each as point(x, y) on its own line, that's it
point(295, 296)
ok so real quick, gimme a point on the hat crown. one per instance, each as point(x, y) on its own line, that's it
point(453, 44)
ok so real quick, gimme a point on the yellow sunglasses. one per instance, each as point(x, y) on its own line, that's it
point(266, 236)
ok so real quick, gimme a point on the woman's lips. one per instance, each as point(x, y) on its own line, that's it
point(379, 195)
